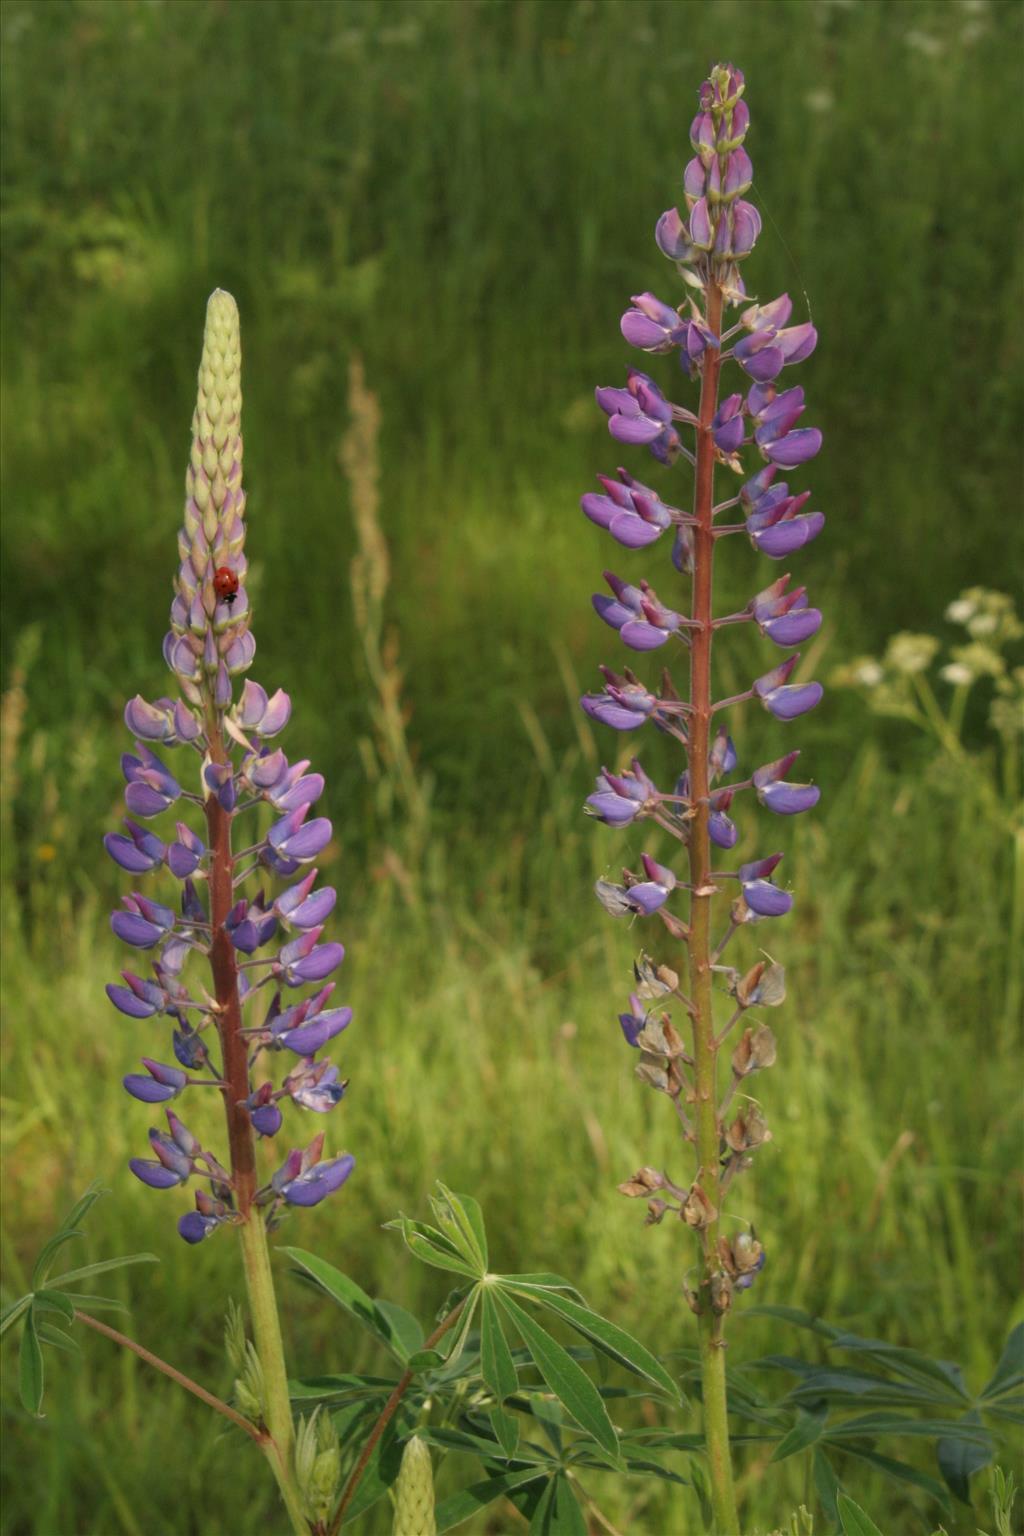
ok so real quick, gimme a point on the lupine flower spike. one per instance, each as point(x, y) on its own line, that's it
point(708, 239)
point(246, 1032)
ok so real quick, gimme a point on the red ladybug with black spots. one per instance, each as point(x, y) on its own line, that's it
point(225, 584)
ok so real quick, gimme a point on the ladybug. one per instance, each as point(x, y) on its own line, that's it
point(225, 584)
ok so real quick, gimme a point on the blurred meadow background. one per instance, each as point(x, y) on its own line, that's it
point(432, 216)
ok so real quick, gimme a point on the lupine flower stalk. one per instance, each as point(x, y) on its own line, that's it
point(262, 946)
point(708, 239)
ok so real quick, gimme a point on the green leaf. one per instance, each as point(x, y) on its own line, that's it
point(30, 1368)
point(496, 1364)
point(13, 1310)
point(702, 1488)
point(54, 1301)
point(102, 1267)
point(506, 1429)
point(82, 1206)
point(483, 1446)
point(406, 1332)
point(902, 1472)
point(841, 1383)
point(464, 1216)
point(795, 1315)
point(461, 1506)
point(908, 1363)
point(425, 1360)
point(48, 1253)
point(81, 1300)
point(1009, 1373)
point(1009, 1408)
point(653, 1469)
point(959, 1460)
point(342, 1388)
point(872, 1424)
point(609, 1338)
point(567, 1381)
point(381, 1471)
point(432, 1247)
point(544, 1280)
point(48, 1334)
point(558, 1513)
point(807, 1430)
point(853, 1519)
point(351, 1296)
point(826, 1483)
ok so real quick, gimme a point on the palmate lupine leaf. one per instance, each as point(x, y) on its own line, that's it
point(558, 1512)
point(902, 1472)
point(567, 1380)
point(432, 1247)
point(103, 1267)
point(48, 1299)
point(462, 1220)
point(808, 1429)
point(469, 1501)
point(1008, 1375)
point(959, 1459)
point(610, 1339)
point(351, 1296)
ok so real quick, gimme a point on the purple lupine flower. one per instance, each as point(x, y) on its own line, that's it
point(784, 616)
point(708, 238)
point(162, 1084)
point(139, 852)
point(296, 839)
point(648, 895)
point(621, 798)
point(728, 426)
point(722, 830)
point(632, 513)
point(151, 787)
point(783, 699)
point(760, 895)
point(642, 621)
point(208, 645)
point(308, 1026)
point(641, 414)
point(651, 325)
point(186, 853)
point(774, 792)
point(301, 907)
point(633, 1021)
point(143, 922)
point(318, 1182)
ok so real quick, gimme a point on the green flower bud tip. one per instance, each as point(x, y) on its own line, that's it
point(414, 1493)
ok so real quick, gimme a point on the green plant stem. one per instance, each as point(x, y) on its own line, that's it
point(387, 1413)
point(259, 1279)
point(266, 1327)
point(216, 1403)
point(705, 1050)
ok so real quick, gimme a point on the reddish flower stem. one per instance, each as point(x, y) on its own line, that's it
point(387, 1413)
point(712, 1348)
point(252, 1430)
point(235, 1060)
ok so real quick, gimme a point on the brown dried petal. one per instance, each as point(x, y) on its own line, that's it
point(697, 1210)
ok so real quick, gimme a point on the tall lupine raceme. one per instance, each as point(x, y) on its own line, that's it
point(761, 421)
point(248, 907)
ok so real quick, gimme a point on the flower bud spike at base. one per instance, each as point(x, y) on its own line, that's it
point(752, 429)
point(229, 724)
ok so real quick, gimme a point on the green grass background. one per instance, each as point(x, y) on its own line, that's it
point(464, 195)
